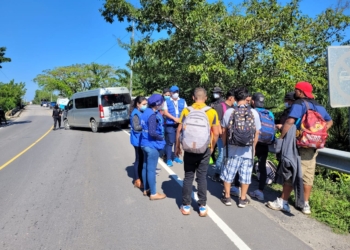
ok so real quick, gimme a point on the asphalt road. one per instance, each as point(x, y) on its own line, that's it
point(73, 190)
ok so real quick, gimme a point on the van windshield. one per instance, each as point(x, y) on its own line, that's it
point(109, 100)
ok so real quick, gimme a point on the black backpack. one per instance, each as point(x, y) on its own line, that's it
point(242, 127)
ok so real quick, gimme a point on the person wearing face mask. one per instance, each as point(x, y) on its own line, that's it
point(152, 142)
point(289, 98)
point(172, 111)
point(139, 106)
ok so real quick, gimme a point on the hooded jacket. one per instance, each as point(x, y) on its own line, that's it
point(290, 166)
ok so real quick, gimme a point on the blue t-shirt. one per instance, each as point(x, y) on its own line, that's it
point(298, 110)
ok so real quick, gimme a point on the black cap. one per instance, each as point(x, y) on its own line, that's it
point(258, 99)
point(217, 90)
point(290, 96)
point(166, 90)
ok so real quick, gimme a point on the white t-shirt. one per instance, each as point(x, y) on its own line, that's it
point(244, 152)
point(165, 106)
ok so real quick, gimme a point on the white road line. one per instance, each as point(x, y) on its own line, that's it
point(221, 224)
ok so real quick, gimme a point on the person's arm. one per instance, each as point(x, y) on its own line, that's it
point(136, 123)
point(168, 115)
point(224, 136)
point(152, 128)
point(287, 125)
point(329, 124)
point(215, 129)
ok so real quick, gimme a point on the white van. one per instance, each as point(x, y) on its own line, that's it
point(62, 102)
point(104, 107)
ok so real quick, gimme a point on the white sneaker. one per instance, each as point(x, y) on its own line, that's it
point(306, 209)
point(235, 191)
point(278, 205)
point(257, 194)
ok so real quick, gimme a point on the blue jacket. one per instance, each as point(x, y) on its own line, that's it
point(146, 139)
point(135, 136)
point(171, 109)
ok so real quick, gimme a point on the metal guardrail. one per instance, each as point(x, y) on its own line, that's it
point(334, 159)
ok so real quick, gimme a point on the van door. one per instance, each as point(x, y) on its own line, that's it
point(116, 106)
point(69, 113)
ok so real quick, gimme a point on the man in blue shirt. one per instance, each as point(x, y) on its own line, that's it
point(303, 92)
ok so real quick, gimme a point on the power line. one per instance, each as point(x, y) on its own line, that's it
point(4, 74)
point(109, 49)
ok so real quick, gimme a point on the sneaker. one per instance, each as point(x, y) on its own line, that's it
point(243, 203)
point(177, 160)
point(185, 209)
point(203, 211)
point(257, 194)
point(306, 209)
point(235, 191)
point(226, 201)
point(157, 196)
point(278, 205)
point(169, 163)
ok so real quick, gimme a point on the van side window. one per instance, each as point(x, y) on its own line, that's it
point(86, 102)
point(70, 105)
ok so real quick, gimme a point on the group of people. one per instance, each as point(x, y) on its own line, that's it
point(240, 127)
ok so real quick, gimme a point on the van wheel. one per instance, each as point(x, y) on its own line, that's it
point(93, 125)
point(66, 124)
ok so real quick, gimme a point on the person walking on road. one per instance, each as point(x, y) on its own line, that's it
point(196, 160)
point(56, 114)
point(172, 109)
point(304, 102)
point(139, 106)
point(152, 142)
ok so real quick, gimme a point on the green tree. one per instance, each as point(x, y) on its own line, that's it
point(2, 56)
point(43, 94)
point(11, 94)
point(79, 77)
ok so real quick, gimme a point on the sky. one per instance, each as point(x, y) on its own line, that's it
point(42, 34)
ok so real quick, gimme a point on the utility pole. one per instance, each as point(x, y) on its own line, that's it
point(132, 60)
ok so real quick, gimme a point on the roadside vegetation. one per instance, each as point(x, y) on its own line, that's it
point(11, 95)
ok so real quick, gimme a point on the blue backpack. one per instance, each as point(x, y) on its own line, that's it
point(267, 131)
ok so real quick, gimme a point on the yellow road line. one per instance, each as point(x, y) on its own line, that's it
point(14, 158)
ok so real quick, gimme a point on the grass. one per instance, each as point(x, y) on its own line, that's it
point(330, 199)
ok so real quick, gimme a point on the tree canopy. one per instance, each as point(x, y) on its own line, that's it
point(11, 94)
point(78, 77)
point(2, 56)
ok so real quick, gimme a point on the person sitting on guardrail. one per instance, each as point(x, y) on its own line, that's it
point(303, 104)
point(139, 106)
point(152, 142)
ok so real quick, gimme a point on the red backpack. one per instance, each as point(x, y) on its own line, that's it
point(313, 130)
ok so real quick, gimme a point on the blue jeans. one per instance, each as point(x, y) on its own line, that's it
point(220, 158)
point(170, 137)
point(150, 160)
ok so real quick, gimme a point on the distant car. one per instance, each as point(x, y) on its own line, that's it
point(52, 105)
point(45, 104)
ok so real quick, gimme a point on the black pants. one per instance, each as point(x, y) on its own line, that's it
point(138, 164)
point(55, 120)
point(262, 152)
point(195, 164)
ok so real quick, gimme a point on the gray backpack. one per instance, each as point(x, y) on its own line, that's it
point(196, 131)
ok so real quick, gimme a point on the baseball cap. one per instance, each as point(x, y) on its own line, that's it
point(306, 87)
point(174, 88)
point(289, 96)
point(217, 90)
point(155, 100)
point(258, 99)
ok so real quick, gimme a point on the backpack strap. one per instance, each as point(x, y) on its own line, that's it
point(206, 108)
point(190, 108)
point(224, 107)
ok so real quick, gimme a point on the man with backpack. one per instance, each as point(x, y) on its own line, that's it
point(312, 122)
point(241, 126)
point(199, 131)
point(266, 137)
point(172, 107)
point(221, 109)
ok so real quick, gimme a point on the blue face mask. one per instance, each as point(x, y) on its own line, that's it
point(166, 97)
point(143, 107)
point(235, 104)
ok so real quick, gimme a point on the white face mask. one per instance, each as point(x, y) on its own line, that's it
point(216, 96)
point(286, 104)
point(175, 95)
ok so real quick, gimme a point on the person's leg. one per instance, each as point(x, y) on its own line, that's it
point(262, 152)
point(201, 175)
point(54, 122)
point(220, 158)
point(152, 160)
point(144, 169)
point(190, 168)
point(59, 122)
point(140, 165)
point(308, 166)
point(213, 154)
point(228, 173)
point(245, 172)
point(136, 163)
point(170, 140)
